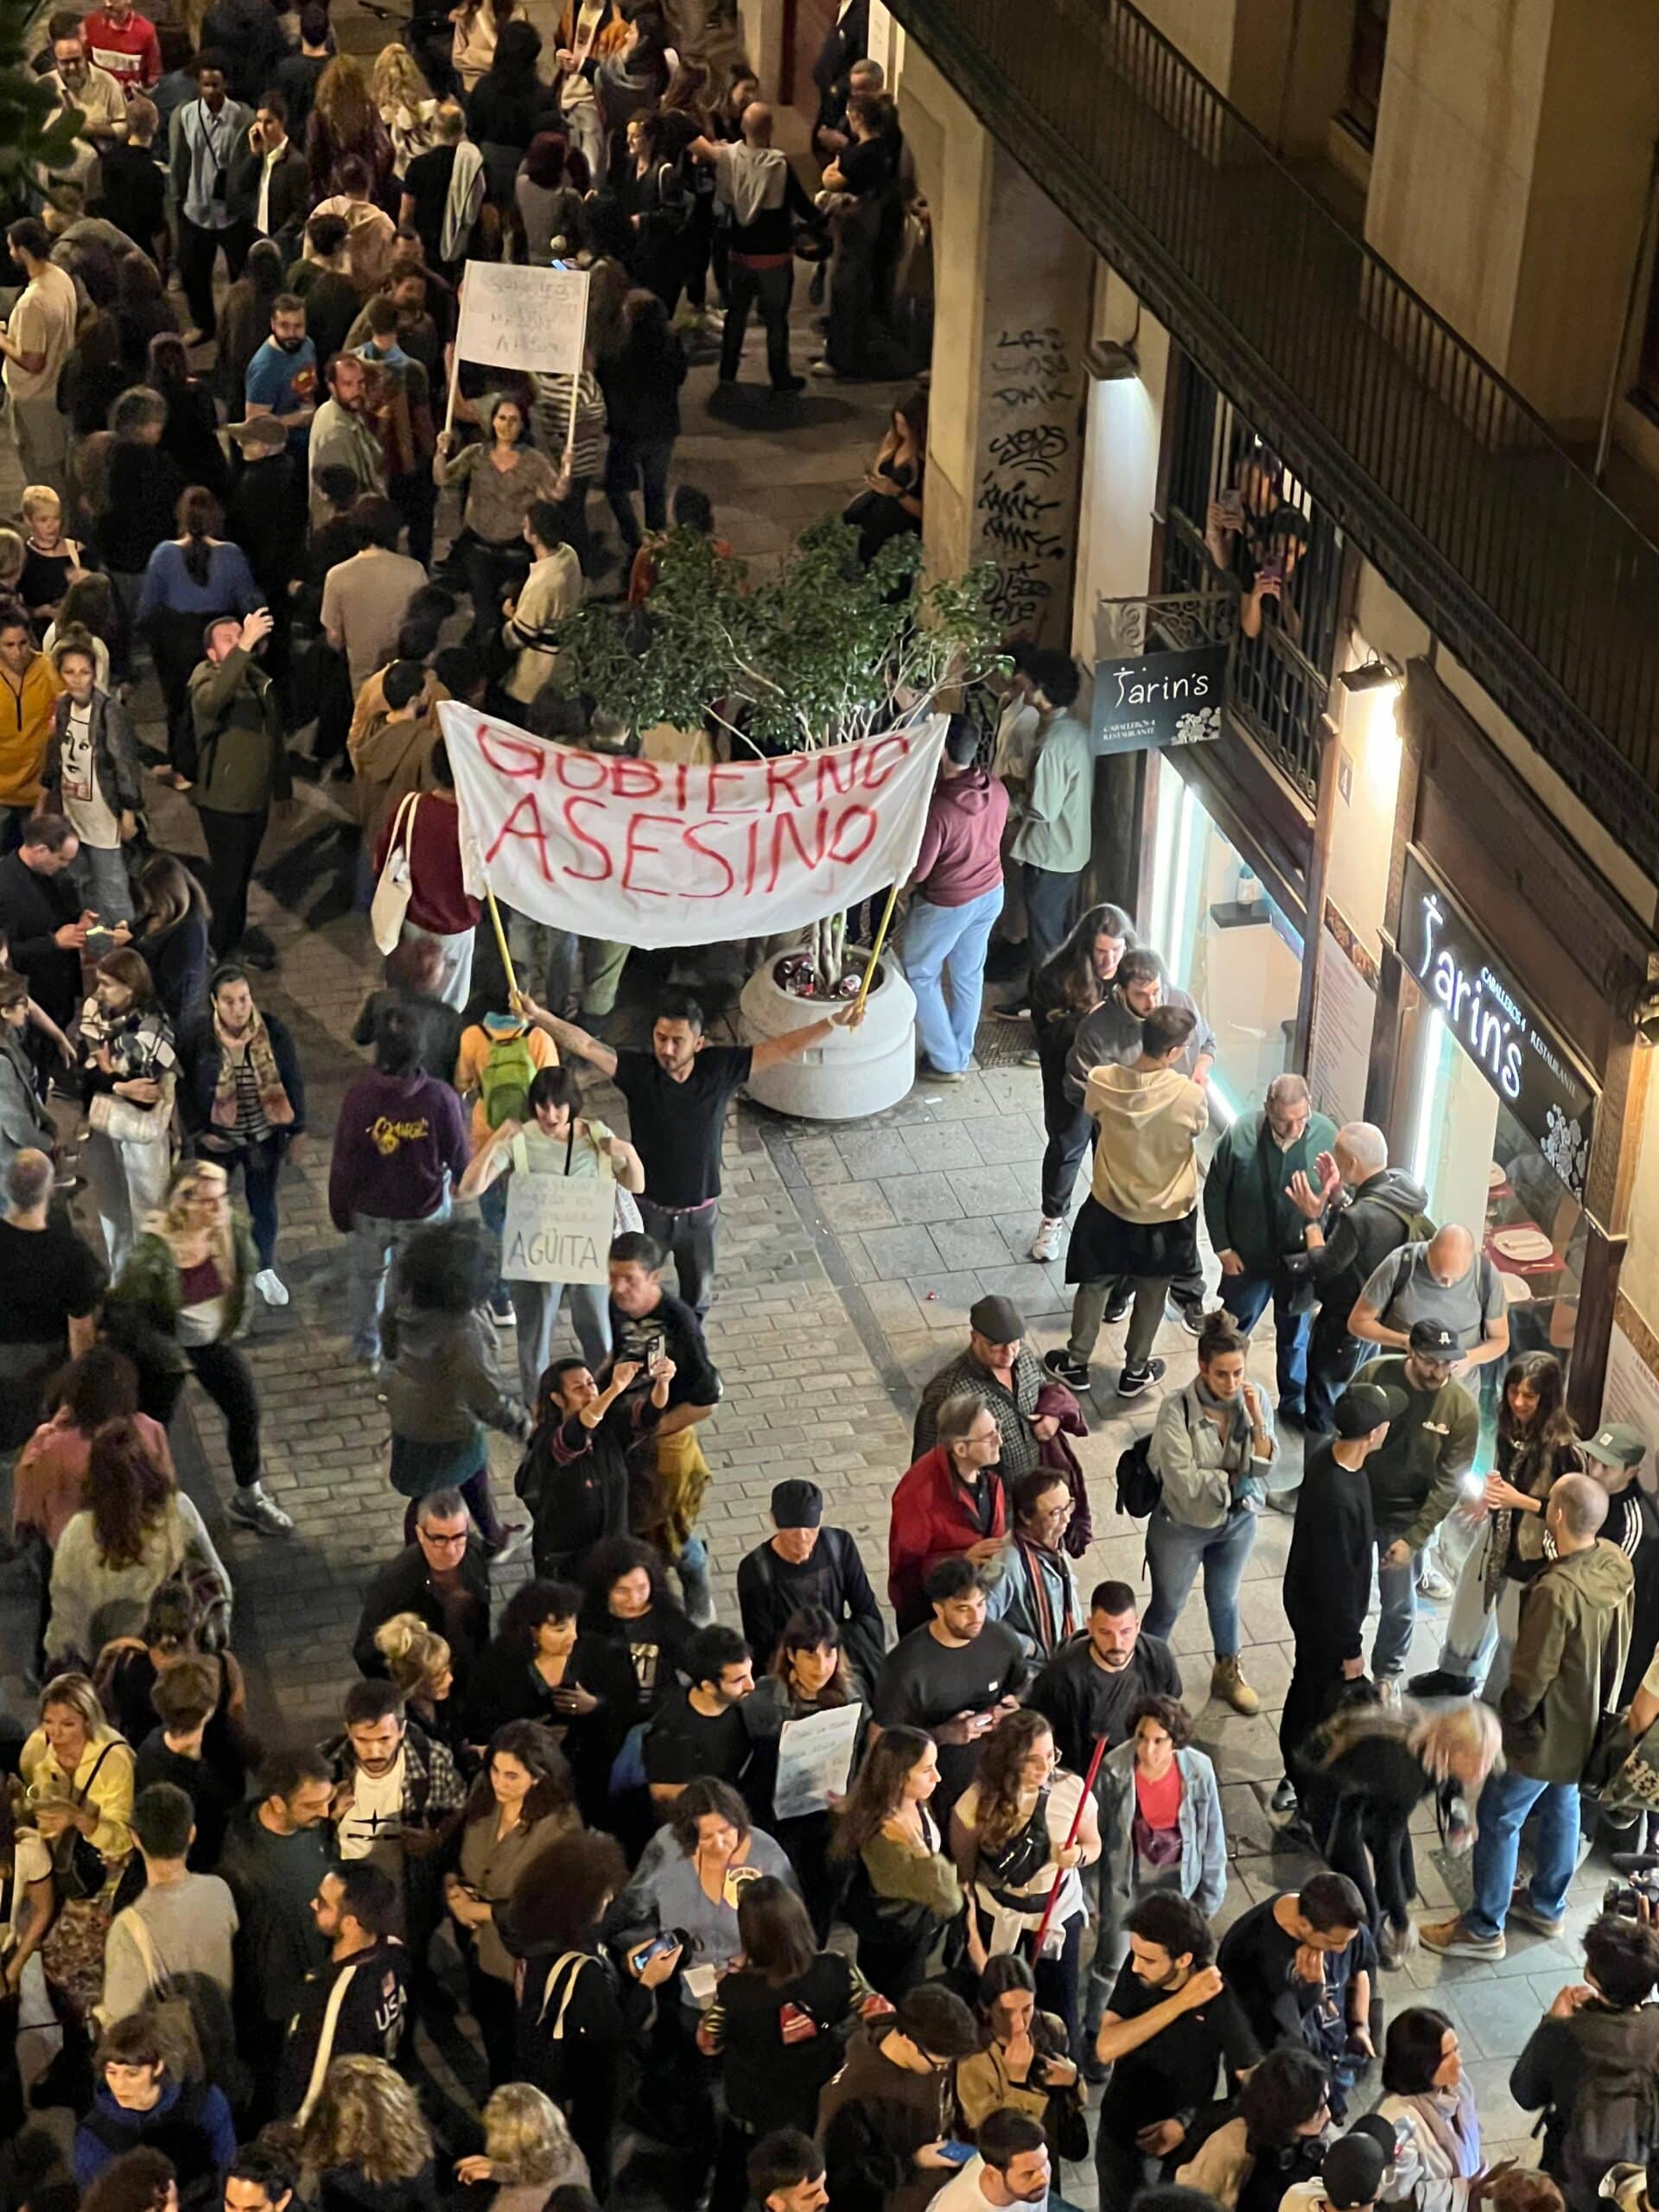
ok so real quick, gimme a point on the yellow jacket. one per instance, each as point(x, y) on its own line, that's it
point(110, 1794)
point(25, 726)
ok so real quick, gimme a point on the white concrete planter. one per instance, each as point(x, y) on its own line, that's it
point(855, 1071)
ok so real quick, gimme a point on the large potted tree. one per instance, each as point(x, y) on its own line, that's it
point(821, 653)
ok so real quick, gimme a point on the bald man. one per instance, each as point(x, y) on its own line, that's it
point(1569, 1654)
point(1443, 1279)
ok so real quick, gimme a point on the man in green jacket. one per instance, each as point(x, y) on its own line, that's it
point(1252, 1223)
point(1415, 1474)
point(1564, 1674)
point(240, 767)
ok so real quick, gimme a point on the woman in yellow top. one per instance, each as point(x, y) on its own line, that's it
point(77, 1776)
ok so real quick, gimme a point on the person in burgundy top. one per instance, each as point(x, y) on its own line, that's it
point(400, 1145)
point(122, 42)
point(957, 895)
point(439, 904)
point(949, 1505)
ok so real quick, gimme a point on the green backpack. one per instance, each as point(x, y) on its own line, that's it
point(503, 1085)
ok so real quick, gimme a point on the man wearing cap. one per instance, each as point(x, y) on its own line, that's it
point(948, 1504)
point(804, 1564)
point(1327, 1584)
point(1414, 1478)
point(238, 766)
point(1568, 1660)
point(997, 1366)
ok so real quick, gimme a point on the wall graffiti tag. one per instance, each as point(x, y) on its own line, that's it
point(1026, 489)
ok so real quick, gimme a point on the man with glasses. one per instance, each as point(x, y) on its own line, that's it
point(1033, 1587)
point(998, 1365)
point(949, 1504)
point(443, 1577)
point(1414, 1475)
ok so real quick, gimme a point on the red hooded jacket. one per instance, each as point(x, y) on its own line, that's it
point(930, 1522)
point(961, 856)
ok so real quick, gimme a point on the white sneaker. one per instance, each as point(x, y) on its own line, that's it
point(1434, 1585)
point(253, 1509)
point(270, 1286)
point(1050, 1240)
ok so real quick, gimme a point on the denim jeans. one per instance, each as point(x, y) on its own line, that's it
point(692, 1567)
point(261, 1162)
point(945, 962)
point(1476, 1633)
point(535, 1308)
point(1174, 1553)
point(1396, 1589)
point(770, 289)
point(1245, 1297)
point(374, 1244)
point(1505, 1804)
point(100, 876)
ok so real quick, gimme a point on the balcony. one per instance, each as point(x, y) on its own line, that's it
point(1456, 490)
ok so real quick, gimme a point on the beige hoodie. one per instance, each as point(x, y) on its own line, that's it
point(1145, 1160)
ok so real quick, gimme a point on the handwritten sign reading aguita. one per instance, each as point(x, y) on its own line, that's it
point(558, 1229)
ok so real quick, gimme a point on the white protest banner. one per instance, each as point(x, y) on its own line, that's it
point(815, 1757)
point(516, 318)
point(558, 1229)
point(653, 854)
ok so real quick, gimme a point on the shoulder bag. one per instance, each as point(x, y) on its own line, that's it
point(79, 1867)
point(390, 905)
point(167, 2011)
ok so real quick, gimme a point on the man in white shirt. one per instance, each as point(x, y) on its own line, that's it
point(552, 591)
point(95, 95)
point(37, 342)
point(1011, 2168)
point(181, 1926)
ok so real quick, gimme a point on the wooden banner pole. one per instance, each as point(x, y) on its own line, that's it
point(876, 951)
point(501, 942)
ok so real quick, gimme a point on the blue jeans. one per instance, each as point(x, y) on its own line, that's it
point(1396, 1590)
point(100, 876)
point(1174, 1553)
point(536, 1309)
point(1505, 1804)
point(949, 943)
point(692, 1567)
point(374, 1244)
point(1245, 1297)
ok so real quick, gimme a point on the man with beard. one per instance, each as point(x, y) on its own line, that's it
point(342, 436)
point(1171, 2022)
point(238, 760)
point(281, 377)
point(395, 1789)
point(38, 338)
point(354, 2004)
point(245, 1098)
point(1087, 1691)
point(802, 1563)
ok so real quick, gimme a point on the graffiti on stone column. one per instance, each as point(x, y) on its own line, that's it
point(1025, 495)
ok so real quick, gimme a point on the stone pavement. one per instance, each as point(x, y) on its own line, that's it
point(850, 1256)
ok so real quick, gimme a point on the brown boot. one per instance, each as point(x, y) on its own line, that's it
point(1226, 1681)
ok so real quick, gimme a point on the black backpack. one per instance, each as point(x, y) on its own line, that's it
point(1615, 2117)
point(1140, 1486)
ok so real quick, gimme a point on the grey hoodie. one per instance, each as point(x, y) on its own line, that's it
point(1112, 1032)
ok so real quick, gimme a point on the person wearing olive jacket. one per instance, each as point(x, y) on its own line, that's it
point(1253, 1221)
point(238, 766)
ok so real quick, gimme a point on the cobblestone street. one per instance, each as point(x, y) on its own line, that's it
point(850, 1257)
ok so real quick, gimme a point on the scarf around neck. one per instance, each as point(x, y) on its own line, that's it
point(274, 1103)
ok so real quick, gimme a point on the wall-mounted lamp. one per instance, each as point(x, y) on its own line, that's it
point(1109, 361)
point(1369, 676)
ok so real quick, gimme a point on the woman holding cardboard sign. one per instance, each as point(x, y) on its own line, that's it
point(504, 477)
point(557, 1139)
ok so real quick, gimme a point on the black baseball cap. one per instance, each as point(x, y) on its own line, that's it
point(1365, 1405)
point(797, 1504)
point(1435, 1339)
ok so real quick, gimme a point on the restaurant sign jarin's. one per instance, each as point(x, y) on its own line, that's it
point(1531, 1071)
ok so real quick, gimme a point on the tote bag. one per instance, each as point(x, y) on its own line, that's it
point(390, 905)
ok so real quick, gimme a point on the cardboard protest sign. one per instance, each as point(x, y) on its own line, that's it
point(557, 1228)
point(516, 318)
point(654, 853)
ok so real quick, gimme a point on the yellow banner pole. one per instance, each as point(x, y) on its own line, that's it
point(501, 941)
point(876, 951)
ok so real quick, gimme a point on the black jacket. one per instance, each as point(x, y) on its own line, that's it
point(574, 1480)
point(1327, 1584)
point(404, 1585)
point(768, 1594)
point(1376, 1221)
point(290, 187)
point(32, 908)
point(369, 2024)
point(1080, 1700)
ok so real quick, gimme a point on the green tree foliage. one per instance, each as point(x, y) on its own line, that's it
point(34, 127)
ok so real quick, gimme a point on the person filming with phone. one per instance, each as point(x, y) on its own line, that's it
point(238, 769)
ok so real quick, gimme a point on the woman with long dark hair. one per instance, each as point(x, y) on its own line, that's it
point(1429, 2102)
point(1160, 1824)
point(1026, 2059)
point(906, 1897)
point(771, 2076)
point(191, 435)
point(189, 579)
point(521, 1802)
point(641, 381)
point(627, 1600)
point(171, 934)
point(502, 475)
point(1070, 984)
point(1537, 1444)
point(1011, 1832)
point(245, 321)
point(650, 192)
point(509, 108)
point(1276, 2139)
point(549, 198)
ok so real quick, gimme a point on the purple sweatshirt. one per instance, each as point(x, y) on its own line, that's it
point(395, 1136)
point(961, 844)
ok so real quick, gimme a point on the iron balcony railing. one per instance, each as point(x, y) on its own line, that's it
point(1453, 485)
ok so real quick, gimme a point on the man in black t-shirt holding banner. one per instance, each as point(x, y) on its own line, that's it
point(677, 1093)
